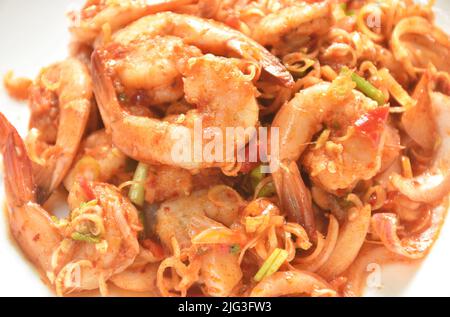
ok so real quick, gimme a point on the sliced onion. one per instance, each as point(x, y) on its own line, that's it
point(326, 250)
point(357, 273)
point(417, 120)
point(429, 45)
point(351, 238)
point(435, 183)
point(291, 283)
point(415, 246)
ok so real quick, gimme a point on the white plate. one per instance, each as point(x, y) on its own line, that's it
point(34, 34)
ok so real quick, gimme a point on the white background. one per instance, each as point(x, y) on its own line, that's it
point(34, 34)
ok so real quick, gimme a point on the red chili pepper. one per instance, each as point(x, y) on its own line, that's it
point(371, 123)
point(87, 189)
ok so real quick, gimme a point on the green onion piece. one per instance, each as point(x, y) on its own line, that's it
point(235, 249)
point(276, 264)
point(137, 190)
point(256, 176)
point(301, 68)
point(85, 238)
point(368, 89)
point(271, 264)
point(267, 263)
point(268, 190)
point(142, 233)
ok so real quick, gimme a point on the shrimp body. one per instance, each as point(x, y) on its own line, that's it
point(220, 89)
point(353, 154)
point(271, 23)
point(70, 263)
point(60, 100)
point(340, 163)
point(88, 23)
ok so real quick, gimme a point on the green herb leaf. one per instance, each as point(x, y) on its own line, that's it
point(137, 190)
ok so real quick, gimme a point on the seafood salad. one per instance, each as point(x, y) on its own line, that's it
point(232, 148)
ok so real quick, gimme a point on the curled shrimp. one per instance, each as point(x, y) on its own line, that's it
point(335, 163)
point(97, 240)
point(61, 99)
point(275, 24)
point(88, 23)
point(223, 94)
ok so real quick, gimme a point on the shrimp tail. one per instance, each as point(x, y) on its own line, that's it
point(269, 63)
point(295, 198)
point(5, 128)
point(19, 181)
point(22, 173)
point(105, 93)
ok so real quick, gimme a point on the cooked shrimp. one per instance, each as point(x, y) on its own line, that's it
point(275, 24)
point(227, 100)
point(61, 100)
point(98, 160)
point(88, 23)
point(209, 36)
point(156, 140)
point(79, 253)
point(352, 154)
